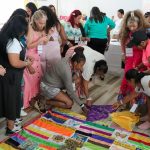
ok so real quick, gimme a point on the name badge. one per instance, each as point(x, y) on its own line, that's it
point(134, 107)
point(76, 39)
point(129, 52)
point(40, 49)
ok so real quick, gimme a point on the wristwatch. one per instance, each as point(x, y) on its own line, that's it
point(82, 105)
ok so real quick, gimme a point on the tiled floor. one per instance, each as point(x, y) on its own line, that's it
point(103, 92)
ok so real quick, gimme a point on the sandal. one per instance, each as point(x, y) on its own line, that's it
point(39, 107)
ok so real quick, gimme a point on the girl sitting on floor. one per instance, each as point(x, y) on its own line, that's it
point(141, 83)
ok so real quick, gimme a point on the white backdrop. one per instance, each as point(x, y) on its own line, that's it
point(108, 6)
point(65, 7)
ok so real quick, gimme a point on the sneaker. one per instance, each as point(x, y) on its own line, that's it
point(23, 113)
point(18, 121)
point(39, 108)
point(14, 130)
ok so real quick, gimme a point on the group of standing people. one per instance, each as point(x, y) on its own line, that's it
point(32, 46)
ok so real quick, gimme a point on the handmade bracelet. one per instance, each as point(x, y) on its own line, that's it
point(89, 99)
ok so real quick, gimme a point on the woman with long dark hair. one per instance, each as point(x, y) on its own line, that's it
point(96, 29)
point(31, 9)
point(12, 56)
point(23, 13)
point(57, 38)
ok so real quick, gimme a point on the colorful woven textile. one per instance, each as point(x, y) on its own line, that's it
point(63, 129)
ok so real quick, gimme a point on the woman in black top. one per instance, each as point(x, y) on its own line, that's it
point(12, 55)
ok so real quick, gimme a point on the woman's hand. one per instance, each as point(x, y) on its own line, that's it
point(85, 39)
point(44, 40)
point(85, 110)
point(31, 69)
point(2, 70)
point(89, 102)
point(116, 105)
point(70, 45)
point(28, 62)
point(30, 58)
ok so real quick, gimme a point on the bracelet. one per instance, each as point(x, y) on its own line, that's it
point(82, 105)
point(89, 99)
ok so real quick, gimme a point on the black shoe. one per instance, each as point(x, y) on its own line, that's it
point(9, 132)
point(14, 130)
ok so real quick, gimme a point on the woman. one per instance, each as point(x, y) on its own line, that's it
point(31, 9)
point(95, 65)
point(147, 16)
point(96, 29)
point(52, 50)
point(12, 56)
point(141, 83)
point(36, 37)
point(133, 21)
point(74, 30)
point(23, 13)
point(58, 77)
point(52, 7)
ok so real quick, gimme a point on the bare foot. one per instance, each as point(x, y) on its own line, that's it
point(144, 118)
point(144, 126)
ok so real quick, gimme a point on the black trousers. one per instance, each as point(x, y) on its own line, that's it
point(98, 45)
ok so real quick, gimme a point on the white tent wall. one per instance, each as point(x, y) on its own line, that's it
point(65, 7)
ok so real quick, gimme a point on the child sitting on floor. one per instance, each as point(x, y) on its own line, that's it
point(141, 82)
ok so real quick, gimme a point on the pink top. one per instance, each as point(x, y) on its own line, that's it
point(146, 54)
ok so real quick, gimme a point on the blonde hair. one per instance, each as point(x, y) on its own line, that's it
point(131, 17)
point(39, 14)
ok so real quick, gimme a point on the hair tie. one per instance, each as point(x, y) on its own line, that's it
point(132, 14)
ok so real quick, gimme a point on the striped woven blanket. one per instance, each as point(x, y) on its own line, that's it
point(67, 130)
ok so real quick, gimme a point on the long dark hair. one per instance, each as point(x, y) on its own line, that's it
point(32, 7)
point(52, 19)
point(101, 65)
point(78, 56)
point(19, 12)
point(134, 74)
point(97, 15)
point(14, 28)
point(52, 6)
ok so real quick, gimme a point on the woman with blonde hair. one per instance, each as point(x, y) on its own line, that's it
point(36, 37)
point(132, 57)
